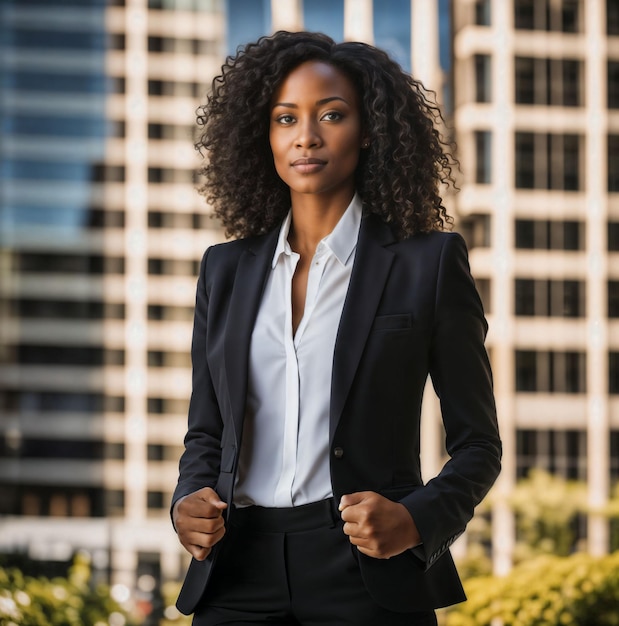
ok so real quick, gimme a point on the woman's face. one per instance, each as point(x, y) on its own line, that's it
point(315, 130)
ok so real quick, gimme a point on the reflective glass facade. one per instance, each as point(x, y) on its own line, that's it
point(52, 118)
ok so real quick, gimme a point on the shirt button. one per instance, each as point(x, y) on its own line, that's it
point(338, 452)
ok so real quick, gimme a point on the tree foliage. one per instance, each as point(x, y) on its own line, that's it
point(546, 508)
point(72, 601)
point(578, 590)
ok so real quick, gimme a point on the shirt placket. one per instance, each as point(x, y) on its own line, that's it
point(284, 489)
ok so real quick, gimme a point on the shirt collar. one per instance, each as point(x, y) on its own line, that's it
point(342, 240)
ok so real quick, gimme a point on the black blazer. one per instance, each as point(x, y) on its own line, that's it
point(411, 310)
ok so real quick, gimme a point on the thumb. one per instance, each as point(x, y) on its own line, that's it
point(210, 495)
point(351, 499)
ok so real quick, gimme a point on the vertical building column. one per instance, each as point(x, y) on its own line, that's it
point(502, 275)
point(595, 210)
point(358, 21)
point(425, 62)
point(287, 15)
point(136, 259)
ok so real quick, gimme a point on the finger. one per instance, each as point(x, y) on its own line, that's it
point(203, 540)
point(198, 507)
point(210, 495)
point(198, 552)
point(213, 499)
point(352, 529)
point(187, 523)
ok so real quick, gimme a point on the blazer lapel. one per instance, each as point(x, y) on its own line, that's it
point(249, 282)
point(370, 271)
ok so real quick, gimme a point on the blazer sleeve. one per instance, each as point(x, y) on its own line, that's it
point(462, 379)
point(200, 462)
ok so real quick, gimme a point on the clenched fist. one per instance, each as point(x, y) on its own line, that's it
point(379, 527)
point(198, 519)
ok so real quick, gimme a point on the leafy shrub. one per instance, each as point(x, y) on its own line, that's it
point(39, 601)
point(578, 590)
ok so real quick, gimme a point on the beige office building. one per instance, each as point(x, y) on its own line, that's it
point(536, 94)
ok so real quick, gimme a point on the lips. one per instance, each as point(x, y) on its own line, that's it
point(308, 165)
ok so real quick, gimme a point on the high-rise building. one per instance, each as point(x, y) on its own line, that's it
point(536, 94)
point(101, 236)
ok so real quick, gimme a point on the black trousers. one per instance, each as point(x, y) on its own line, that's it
point(295, 567)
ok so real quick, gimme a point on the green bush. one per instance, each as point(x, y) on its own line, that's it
point(30, 601)
point(578, 590)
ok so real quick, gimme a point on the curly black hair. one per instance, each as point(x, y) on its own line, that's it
point(398, 177)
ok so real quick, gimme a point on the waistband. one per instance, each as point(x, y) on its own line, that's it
point(319, 514)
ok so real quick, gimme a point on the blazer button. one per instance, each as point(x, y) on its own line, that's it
point(338, 452)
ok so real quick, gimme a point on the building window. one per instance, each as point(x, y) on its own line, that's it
point(559, 452)
point(550, 235)
point(483, 157)
point(169, 175)
point(159, 358)
point(181, 89)
point(613, 162)
point(68, 355)
point(614, 450)
point(613, 298)
point(390, 19)
point(549, 298)
point(116, 41)
point(524, 68)
point(550, 372)
point(547, 161)
point(612, 83)
point(173, 267)
point(170, 131)
point(612, 17)
point(548, 81)
point(49, 263)
point(524, 14)
point(114, 502)
point(613, 236)
point(165, 219)
point(525, 161)
point(549, 15)
point(170, 312)
point(483, 78)
point(613, 372)
point(32, 448)
point(155, 500)
point(484, 289)
point(166, 406)
point(68, 501)
point(475, 229)
point(33, 308)
point(482, 13)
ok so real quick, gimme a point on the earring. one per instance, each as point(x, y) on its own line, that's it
point(365, 144)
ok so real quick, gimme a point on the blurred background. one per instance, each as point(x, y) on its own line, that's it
point(101, 233)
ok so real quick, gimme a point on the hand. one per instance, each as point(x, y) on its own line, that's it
point(199, 521)
point(379, 527)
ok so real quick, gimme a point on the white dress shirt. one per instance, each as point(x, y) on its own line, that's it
point(284, 458)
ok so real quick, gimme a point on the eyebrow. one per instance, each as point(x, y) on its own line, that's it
point(291, 105)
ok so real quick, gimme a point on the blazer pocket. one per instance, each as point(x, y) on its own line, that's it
point(400, 321)
point(398, 492)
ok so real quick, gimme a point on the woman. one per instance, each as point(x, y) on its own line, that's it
point(300, 494)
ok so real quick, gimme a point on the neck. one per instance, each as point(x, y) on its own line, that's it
point(313, 218)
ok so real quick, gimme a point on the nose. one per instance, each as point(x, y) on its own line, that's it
point(308, 135)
